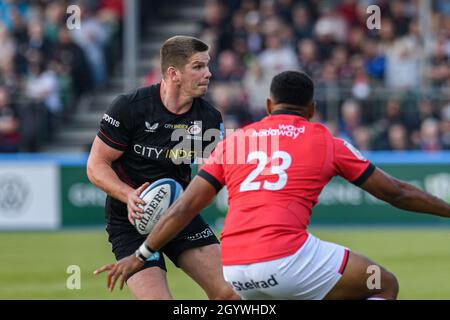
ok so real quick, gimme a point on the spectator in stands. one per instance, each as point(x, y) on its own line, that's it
point(442, 6)
point(351, 119)
point(362, 138)
point(256, 84)
point(18, 26)
point(216, 18)
point(402, 64)
point(9, 124)
point(429, 136)
point(92, 38)
point(358, 78)
point(284, 10)
point(400, 17)
point(348, 10)
point(340, 59)
point(375, 61)
point(268, 9)
point(425, 111)
point(247, 5)
point(440, 64)
point(238, 25)
point(331, 24)
point(72, 56)
point(229, 68)
point(8, 76)
point(445, 127)
point(397, 138)
point(356, 40)
point(8, 10)
point(302, 24)
point(7, 45)
point(327, 90)
point(393, 114)
point(254, 38)
point(307, 57)
point(276, 58)
point(42, 88)
point(55, 14)
point(37, 41)
point(110, 14)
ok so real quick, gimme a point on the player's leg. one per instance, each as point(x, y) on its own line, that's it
point(204, 266)
point(359, 281)
point(150, 284)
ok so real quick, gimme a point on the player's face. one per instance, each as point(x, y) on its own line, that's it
point(195, 76)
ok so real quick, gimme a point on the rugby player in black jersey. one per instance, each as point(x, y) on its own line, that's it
point(139, 142)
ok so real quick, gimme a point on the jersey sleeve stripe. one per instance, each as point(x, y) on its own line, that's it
point(211, 179)
point(344, 262)
point(365, 175)
point(101, 134)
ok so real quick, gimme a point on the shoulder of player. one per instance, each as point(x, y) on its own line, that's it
point(321, 128)
point(139, 94)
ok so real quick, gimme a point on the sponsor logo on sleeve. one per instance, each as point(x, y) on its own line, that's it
point(107, 118)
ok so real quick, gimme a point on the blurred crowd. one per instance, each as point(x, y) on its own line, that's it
point(47, 64)
point(374, 87)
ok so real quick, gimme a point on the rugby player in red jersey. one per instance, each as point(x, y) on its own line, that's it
point(274, 170)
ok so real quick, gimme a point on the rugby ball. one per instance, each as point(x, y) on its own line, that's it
point(158, 197)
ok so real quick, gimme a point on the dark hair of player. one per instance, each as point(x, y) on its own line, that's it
point(177, 50)
point(293, 88)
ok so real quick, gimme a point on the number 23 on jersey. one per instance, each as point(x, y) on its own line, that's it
point(249, 184)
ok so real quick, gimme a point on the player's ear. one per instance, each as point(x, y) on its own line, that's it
point(268, 106)
point(173, 74)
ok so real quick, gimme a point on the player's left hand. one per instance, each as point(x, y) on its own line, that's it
point(122, 269)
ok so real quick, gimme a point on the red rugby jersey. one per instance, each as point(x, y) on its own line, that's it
point(274, 170)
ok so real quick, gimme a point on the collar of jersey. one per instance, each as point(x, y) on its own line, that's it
point(288, 112)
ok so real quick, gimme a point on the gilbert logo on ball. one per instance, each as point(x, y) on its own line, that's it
point(158, 197)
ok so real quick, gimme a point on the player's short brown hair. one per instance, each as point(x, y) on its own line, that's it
point(177, 50)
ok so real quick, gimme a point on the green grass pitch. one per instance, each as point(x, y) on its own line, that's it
point(34, 264)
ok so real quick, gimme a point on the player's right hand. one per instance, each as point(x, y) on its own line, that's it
point(133, 200)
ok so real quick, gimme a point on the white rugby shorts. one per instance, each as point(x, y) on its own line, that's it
point(308, 274)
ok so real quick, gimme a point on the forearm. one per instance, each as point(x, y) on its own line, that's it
point(197, 196)
point(176, 219)
point(414, 199)
point(103, 176)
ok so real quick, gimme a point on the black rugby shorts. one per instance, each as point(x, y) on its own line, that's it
point(125, 240)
